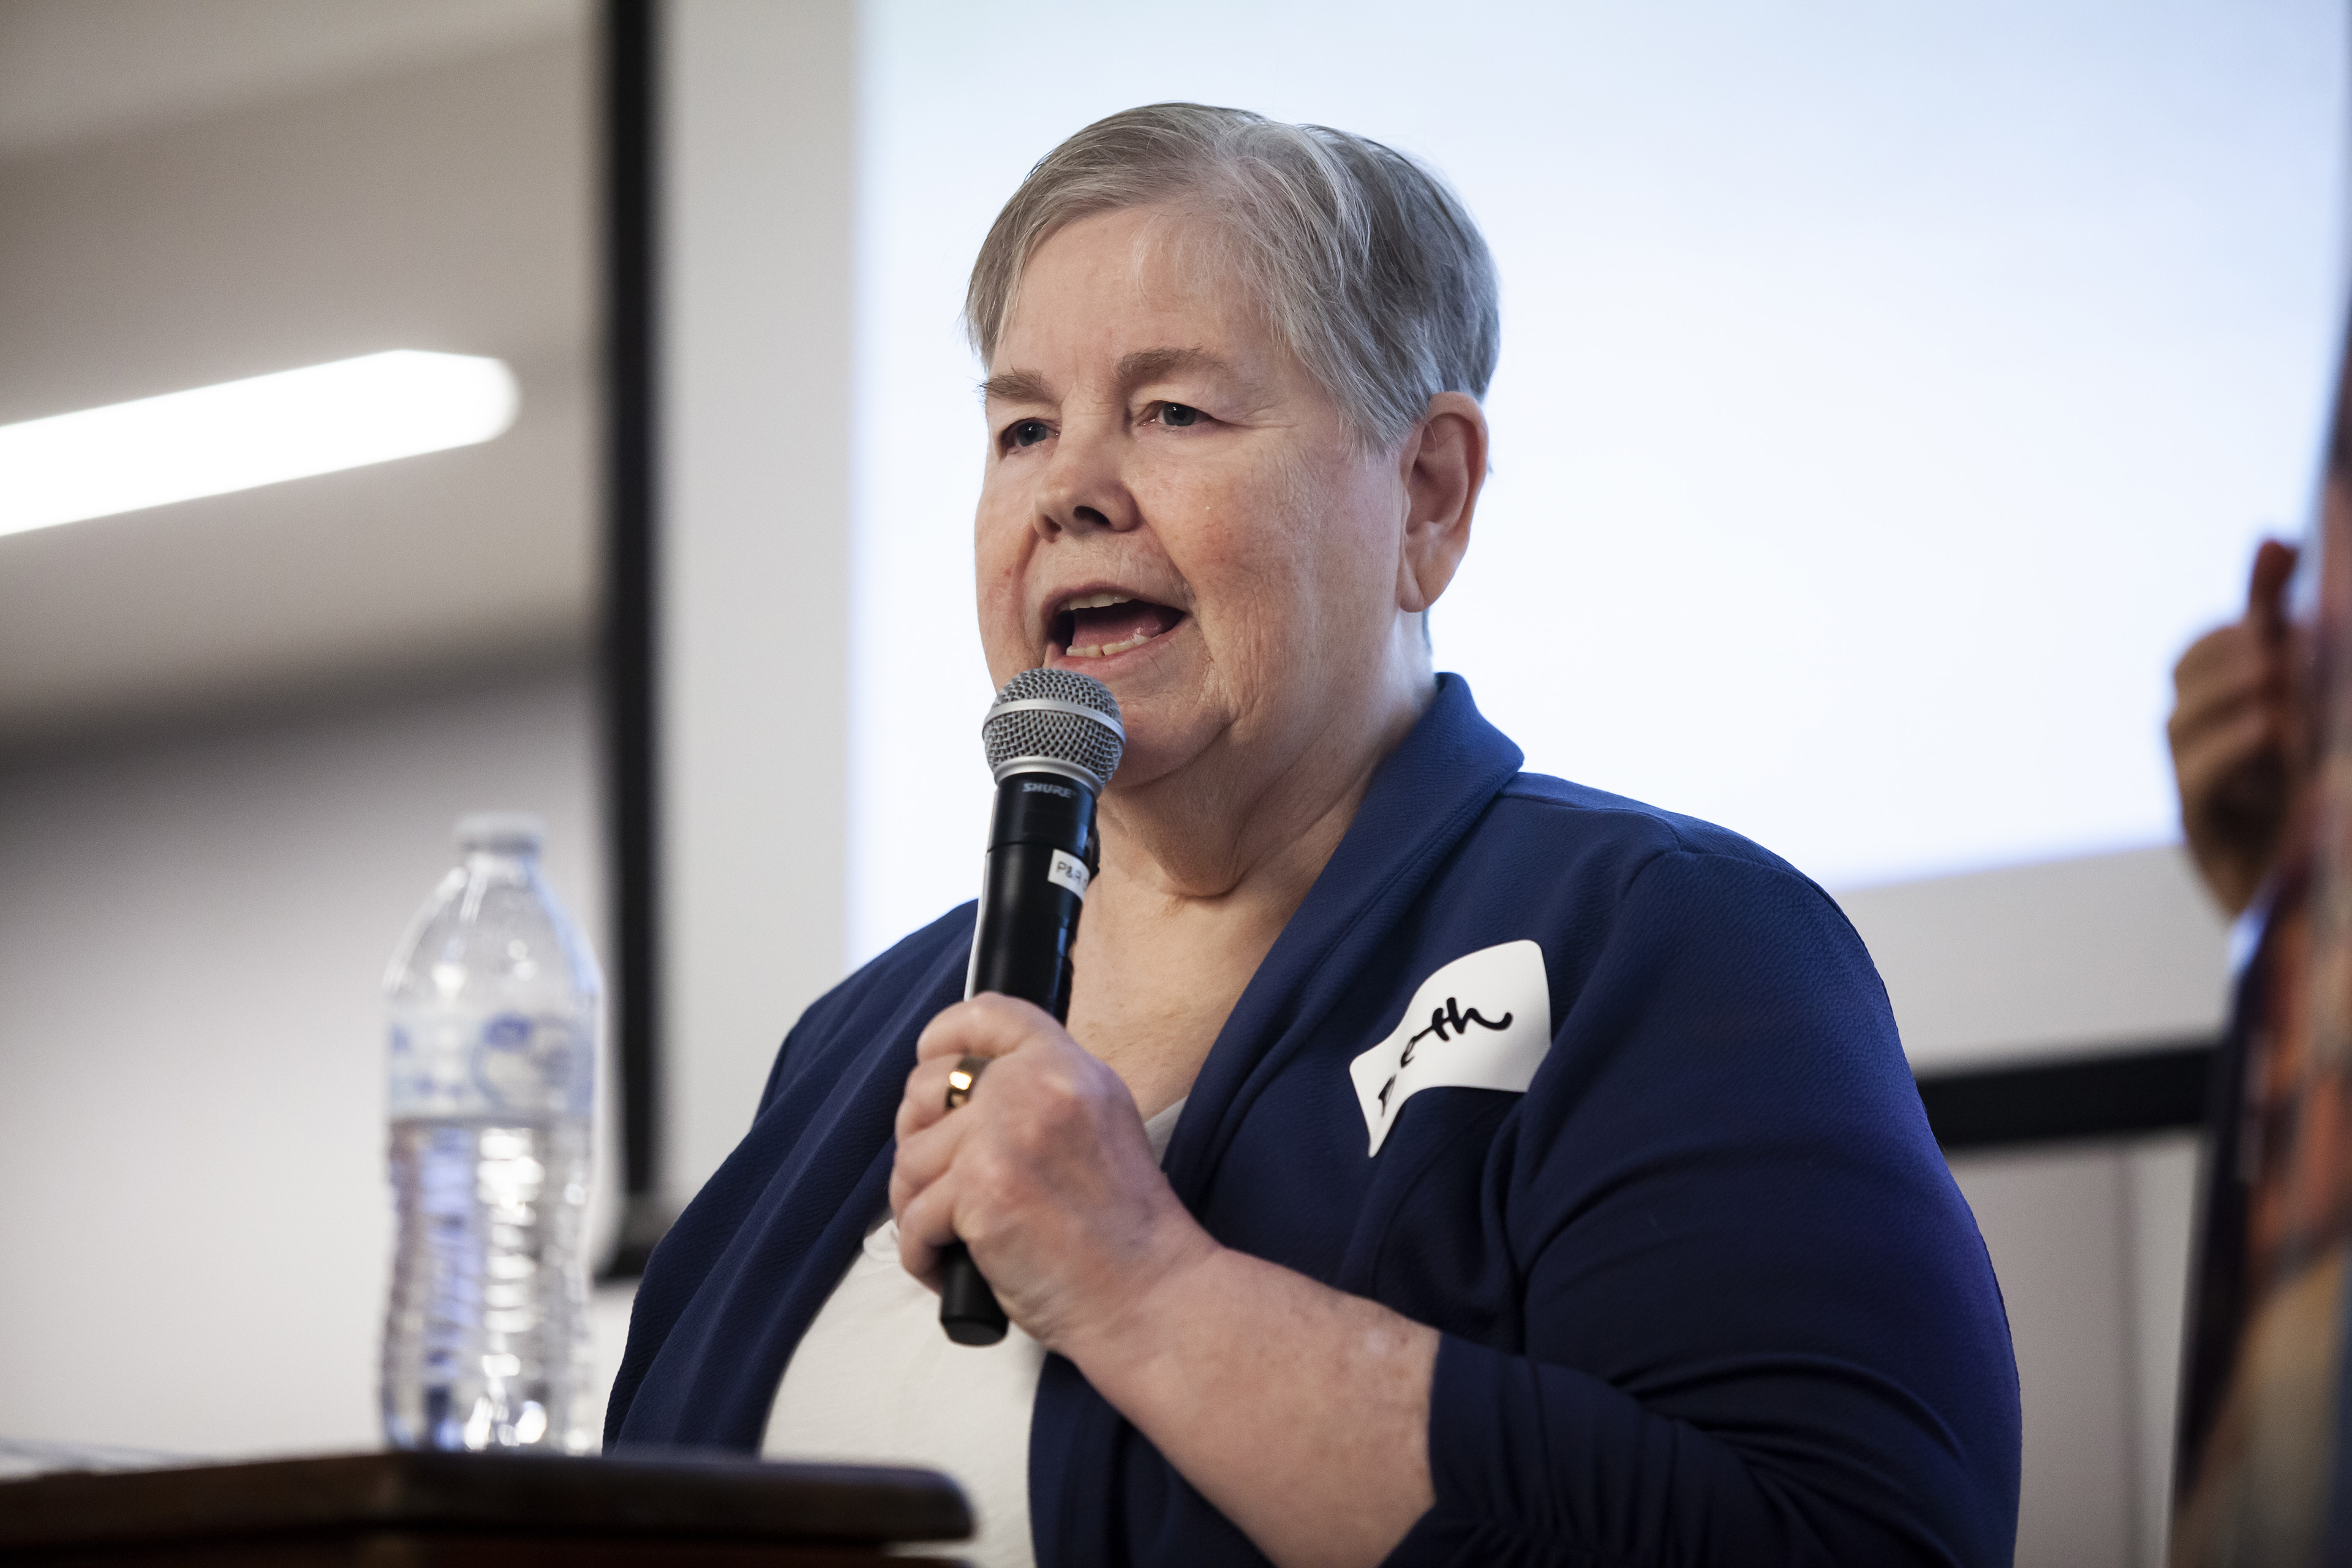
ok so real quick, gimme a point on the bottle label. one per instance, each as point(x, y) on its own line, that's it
point(465, 1064)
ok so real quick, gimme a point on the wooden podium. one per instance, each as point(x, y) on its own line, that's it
point(481, 1511)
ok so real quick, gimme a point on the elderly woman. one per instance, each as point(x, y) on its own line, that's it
point(1443, 1162)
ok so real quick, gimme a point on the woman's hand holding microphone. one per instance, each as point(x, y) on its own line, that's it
point(1044, 1172)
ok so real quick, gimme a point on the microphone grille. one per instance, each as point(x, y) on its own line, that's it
point(1057, 717)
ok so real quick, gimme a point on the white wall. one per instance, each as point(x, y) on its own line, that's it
point(2067, 958)
point(754, 635)
point(193, 931)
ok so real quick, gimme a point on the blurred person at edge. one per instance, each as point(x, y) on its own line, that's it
point(1443, 1163)
point(2259, 1417)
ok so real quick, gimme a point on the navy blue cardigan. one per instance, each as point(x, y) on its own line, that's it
point(1708, 1292)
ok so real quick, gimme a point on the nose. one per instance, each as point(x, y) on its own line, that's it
point(1084, 489)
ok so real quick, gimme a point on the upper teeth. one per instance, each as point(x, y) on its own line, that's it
point(1094, 601)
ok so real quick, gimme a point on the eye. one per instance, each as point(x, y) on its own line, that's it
point(1180, 416)
point(1025, 433)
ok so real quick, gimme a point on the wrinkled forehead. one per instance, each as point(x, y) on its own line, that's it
point(1164, 260)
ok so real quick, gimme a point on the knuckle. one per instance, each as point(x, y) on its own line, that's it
point(1033, 1135)
point(1060, 1090)
point(989, 1179)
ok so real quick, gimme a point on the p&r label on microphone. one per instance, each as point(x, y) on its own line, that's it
point(1067, 870)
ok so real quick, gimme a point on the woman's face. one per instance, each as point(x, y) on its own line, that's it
point(1174, 506)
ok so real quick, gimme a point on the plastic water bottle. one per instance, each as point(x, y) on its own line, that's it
point(494, 1003)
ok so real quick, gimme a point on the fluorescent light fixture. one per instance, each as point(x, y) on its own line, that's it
point(240, 434)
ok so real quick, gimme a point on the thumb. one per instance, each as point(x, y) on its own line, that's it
point(2266, 590)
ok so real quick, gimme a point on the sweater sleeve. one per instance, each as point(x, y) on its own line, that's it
point(1758, 1325)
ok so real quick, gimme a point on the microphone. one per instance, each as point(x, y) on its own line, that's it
point(1053, 739)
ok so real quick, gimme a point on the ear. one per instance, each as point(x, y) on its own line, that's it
point(1443, 463)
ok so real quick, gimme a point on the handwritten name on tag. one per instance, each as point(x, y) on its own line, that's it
point(1484, 1021)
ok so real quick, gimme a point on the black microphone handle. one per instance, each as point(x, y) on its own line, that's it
point(968, 1310)
point(1040, 841)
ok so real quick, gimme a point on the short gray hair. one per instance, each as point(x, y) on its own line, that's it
point(1367, 266)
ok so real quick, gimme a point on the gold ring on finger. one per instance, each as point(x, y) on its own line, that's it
point(960, 1078)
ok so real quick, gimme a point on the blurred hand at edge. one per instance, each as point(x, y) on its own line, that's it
point(2231, 730)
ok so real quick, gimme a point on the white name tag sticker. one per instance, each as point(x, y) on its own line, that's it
point(1068, 872)
point(1484, 1021)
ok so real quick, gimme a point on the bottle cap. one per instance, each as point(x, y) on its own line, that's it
point(500, 833)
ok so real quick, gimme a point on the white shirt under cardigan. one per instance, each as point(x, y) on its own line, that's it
point(876, 1381)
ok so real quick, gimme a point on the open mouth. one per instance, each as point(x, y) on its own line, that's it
point(1100, 625)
